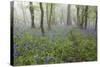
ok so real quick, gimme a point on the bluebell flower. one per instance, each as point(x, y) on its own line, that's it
point(46, 60)
point(26, 45)
point(16, 53)
point(15, 46)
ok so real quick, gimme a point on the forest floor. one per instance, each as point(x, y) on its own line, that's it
point(59, 45)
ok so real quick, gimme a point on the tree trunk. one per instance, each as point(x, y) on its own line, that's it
point(32, 14)
point(68, 15)
point(62, 17)
point(42, 15)
point(53, 13)
point(49, 22)
point(78, 17)
point(86, 16)
point(47, 13)
point(82, 18)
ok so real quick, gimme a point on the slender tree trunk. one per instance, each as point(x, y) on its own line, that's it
point(96, 20)
point(78, 18)
point(86, 16)
point(82, 18)
point(50, 16)
point(68, 15)
point(62, 17)
point(47, 13)
point(53, 14)
point(32, 14)
point(42, 15)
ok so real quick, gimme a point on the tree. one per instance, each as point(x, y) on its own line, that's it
point(78, 9)
point(86, 16)
point(50, 17)
point(50, 12)
point(32, 14)
point(53, 15)
point(68, 15)
point(62, 17)
point(82, 17)
point(42, 16)
point(47, 12)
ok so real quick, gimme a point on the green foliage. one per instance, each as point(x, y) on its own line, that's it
point(92, 12)
point(33, 49)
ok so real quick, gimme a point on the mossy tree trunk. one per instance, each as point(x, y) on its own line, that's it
point(86, 16)
point(42, 16)
point(32, 14)
point(50, 17)
point(69, 15)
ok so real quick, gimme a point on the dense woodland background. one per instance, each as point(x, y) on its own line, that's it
point(53, 33)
